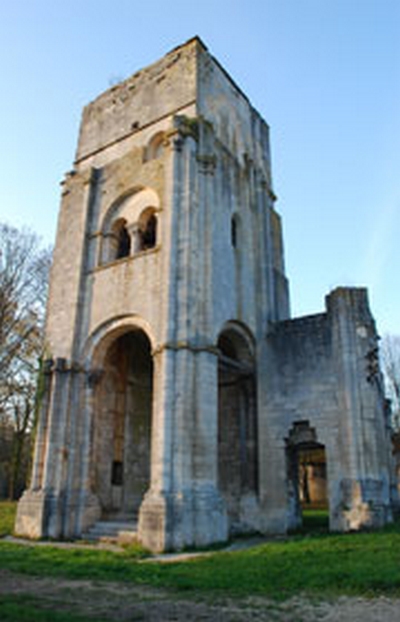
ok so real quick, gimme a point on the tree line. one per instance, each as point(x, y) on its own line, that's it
point(24, 276)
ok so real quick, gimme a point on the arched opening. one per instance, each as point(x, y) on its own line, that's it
point(120, 241)
point(123, 243)
point(147, 229)
point(307, 477)
point(237, 427)
point(155, 147)
point(122, 426)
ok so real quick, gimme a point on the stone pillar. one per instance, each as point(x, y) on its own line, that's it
point(362, 495)
point(183, 506)
point(40, 510)
point(135, 235)
point(88, 506)
point(41, 429)
point(276, 499)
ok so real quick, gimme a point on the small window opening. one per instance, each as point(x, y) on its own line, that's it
point(148, 234)
point(124, 243)
point(234, 232)
point(117, 473)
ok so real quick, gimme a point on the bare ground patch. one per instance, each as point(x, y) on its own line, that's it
point(116, 601)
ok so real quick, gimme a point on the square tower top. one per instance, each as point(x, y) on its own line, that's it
point(187, 81)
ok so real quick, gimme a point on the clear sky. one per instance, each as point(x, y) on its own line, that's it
point(325, 74)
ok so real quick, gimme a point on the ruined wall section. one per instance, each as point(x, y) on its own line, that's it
point(365, 488)
point(160, 90)
point(323, 370)
point(302, 383)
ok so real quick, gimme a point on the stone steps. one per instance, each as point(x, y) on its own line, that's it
point(119, 531)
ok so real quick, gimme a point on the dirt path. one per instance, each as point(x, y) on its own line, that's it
point(112, 601)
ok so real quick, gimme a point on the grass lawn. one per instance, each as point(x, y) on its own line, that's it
point(7, 517)
point(317, 564)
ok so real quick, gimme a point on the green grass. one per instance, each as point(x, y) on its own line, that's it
point(7, 517)
point(23, 608)
point(323, 565)
point(312, 562)
point(315, 521)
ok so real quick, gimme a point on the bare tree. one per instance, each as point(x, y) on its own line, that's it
point(390, 358)
point(24, 270)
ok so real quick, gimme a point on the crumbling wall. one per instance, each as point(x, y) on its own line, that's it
point(319, 371)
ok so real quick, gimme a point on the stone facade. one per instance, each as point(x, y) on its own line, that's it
point(178, 391)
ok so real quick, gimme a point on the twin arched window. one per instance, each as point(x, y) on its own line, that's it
point(126, 239)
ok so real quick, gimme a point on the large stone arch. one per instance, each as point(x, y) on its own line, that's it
point(97, 344)
point(237, 426)
point(121, 417)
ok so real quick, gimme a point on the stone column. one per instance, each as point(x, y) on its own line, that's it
point(182, 507)
point(40, 511)
point(135, 235)
point(41, 429)
point(88, 506)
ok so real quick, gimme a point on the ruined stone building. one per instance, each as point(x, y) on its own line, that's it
point(178, 393)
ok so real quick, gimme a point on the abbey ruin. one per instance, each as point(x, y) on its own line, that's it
point(179, 395)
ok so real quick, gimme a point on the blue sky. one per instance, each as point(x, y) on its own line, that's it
point(325, 74)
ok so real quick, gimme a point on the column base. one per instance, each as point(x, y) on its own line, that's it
point(173, 521)
point(39, 515)
point(362, 504)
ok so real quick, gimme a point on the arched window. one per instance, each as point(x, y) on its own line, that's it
point(121, 239)
point(155, 147)
point(147, 230)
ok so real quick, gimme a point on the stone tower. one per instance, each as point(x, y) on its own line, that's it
point(177, 391)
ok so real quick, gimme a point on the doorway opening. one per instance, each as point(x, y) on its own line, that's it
point(237, 427)
point(307, 478)
point(122, 426)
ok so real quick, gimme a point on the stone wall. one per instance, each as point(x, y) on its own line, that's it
point(318, 372)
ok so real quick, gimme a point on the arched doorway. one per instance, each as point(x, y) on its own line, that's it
point(122, 426)
point(307, 475)
point(237, 427)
